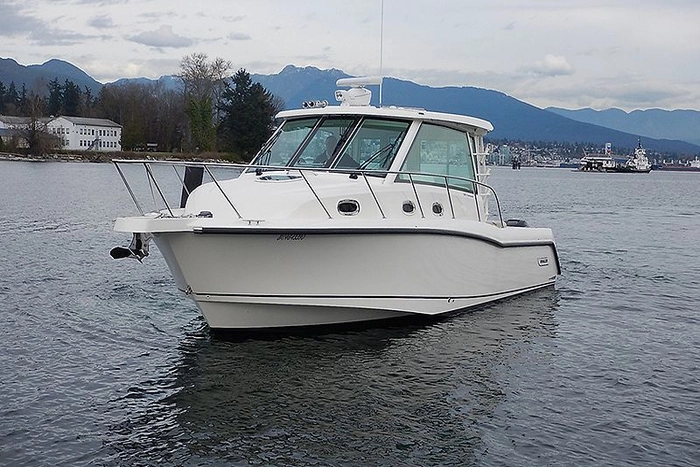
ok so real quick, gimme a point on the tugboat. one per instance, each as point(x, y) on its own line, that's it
point(637, 163)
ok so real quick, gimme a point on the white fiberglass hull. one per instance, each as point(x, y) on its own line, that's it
point(276, 278)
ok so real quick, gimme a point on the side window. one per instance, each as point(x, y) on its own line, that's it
point(441, 151)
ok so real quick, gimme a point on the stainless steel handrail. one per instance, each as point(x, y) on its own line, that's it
point(223, 192)
point(160, 192)
point(354, 173)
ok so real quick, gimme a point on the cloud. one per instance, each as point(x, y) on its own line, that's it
point(100, 2)
point(101, 22)
point(161, 37)
point(238, 36)
point(48, 37)
point(552, 65)
point(14, 22)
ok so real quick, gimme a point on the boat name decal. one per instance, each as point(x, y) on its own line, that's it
point(291, 237)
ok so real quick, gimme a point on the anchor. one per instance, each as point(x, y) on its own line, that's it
point(138, 249)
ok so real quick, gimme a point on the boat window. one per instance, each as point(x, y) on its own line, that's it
point(324, 143)
point(442, 151)
point(282, 147)
point(374, 145)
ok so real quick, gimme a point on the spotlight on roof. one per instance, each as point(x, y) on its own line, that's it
point(314, 104)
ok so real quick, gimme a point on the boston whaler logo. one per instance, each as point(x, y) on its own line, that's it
point(542, 262)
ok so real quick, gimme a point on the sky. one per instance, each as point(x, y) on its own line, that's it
point(627, 54)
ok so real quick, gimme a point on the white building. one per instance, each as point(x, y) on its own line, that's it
point(11, 129)
point(86, 134)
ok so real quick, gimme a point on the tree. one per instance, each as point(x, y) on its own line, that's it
point(248, 111)
point(38, 139)
point(55, 102)
point(203, 84)
point(22, 104)
point(3, 92)
point(11, 99)
point(200, 114)
point(88, 103)
point(72, 98)
point(148, 113)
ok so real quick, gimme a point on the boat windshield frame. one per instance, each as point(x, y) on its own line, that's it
point(335, 141)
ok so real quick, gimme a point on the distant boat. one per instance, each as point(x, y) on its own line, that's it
point(691, 166)
point(636, 163)
point(598, 162)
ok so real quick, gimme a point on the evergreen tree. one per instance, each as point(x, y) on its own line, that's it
point(11, 99)
point(22, 103)
point(248, 112)
point(72, 96)
point(3, 92)
point(88, 103)
point(55, 103)
point(201, 114)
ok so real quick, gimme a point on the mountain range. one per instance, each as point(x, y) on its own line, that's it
point(672, 124)
point(675, 131)
point(37, 77)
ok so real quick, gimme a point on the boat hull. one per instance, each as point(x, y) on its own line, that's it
point(292, 278)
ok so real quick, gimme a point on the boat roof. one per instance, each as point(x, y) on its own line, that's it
point(462, 122)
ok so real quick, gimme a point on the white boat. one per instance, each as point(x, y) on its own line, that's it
point(636, 163)
point(396, 222)
point(598, 162)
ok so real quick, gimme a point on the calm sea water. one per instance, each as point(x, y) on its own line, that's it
point(103, 363)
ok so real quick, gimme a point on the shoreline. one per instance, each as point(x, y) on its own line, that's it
point(107, 157)
point(13, 157)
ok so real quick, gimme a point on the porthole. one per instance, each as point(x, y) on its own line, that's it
point(438, 209)
point(408, 207)
point(348, 207)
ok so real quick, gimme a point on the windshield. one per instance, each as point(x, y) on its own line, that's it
point(321, 148)
point(338, 142)
point(280, 149)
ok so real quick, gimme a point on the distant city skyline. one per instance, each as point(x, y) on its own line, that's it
point(563, 53)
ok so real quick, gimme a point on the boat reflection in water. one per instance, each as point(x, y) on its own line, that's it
point(425, 391)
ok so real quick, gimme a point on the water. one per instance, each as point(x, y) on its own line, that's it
point(103, 363)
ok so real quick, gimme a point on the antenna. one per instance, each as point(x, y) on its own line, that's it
point(381, 47)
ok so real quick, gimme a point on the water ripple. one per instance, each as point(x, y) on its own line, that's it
point(105, 363)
